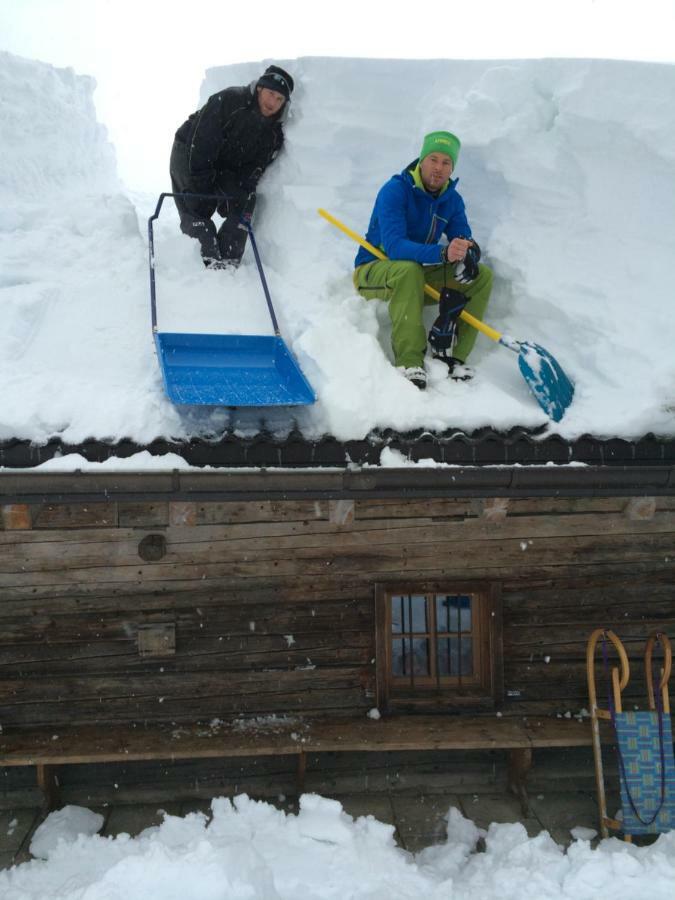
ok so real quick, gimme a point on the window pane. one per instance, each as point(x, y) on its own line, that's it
point(446, 664)
point(421, 656)
point(453, 610)
point(409, 613)
point(418, 606)
point(464, 604)
point(467, 657)
point(397, 613)
point(449, 656)
point(400, 657)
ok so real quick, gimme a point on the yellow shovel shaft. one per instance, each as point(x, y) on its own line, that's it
point(467, 317)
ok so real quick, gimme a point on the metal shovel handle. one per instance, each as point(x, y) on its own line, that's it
point(263, 279)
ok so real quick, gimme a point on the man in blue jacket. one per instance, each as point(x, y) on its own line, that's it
point(413, 212)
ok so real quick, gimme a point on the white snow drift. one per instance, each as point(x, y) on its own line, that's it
point(251, 851)
point(567, 170)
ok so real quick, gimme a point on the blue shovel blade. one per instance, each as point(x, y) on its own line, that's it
point(553, 390)
point(231, 370)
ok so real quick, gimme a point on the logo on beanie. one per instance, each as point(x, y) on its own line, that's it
point(441, 142)
point(280, 80)
point(276, 79)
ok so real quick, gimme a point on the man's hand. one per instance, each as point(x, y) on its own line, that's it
point(457, 249)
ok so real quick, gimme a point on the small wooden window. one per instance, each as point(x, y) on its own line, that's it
point(438, 646)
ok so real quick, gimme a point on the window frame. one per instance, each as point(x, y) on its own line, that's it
point(483, 689)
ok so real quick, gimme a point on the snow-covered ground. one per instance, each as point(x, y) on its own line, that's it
point(567, 170)
point(252, 851)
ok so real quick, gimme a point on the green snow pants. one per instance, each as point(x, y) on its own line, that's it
point(401, 283)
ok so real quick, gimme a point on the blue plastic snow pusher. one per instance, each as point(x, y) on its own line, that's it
point(227, 369)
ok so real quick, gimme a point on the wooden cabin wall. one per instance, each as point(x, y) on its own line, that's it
point(170, 611)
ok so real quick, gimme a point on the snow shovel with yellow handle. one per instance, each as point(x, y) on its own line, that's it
point(552, 388)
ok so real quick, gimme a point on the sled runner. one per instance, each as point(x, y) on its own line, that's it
point(552, 389)
point(227, 369)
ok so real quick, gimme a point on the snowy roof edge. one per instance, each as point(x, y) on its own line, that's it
point(410, 482)
point(480, 448)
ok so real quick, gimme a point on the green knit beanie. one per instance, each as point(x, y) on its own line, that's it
point(441, 142)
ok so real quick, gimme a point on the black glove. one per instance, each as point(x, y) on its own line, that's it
point(246, 212)
point(442, 334)
point(466, 269)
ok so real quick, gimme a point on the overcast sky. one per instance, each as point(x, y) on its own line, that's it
point(148, 56)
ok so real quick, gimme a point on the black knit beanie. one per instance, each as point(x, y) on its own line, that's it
point(276, 79)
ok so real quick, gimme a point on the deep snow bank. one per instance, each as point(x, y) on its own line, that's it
point(75, 358)
point(251, 851)
point(567, 169)
point(48, 132)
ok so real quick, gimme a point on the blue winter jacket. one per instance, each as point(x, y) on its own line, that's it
point(408, 222)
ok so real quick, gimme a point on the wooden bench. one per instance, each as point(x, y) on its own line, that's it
point(518, 736)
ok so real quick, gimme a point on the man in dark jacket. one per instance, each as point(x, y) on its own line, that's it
point(223, 149)
point(420, 223)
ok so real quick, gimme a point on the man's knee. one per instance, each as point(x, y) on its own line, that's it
point(485, 276)
point(407, 275)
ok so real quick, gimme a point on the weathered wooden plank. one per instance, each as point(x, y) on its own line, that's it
point(568, 635)
point(223, 620)
point(120, 541)
point(47, 557)
point(317, 572)
point(75, 515)
point(414, 733)
point(596, 615)
point(261, 511)
point(177, 595)
point(93, 744)
point(231, 653)
point(562, 506)
point(205, 542)
point(168, 684)
point(298, 588)
point(561, 679)
point(237, 739)
point(442, 558)
point(143, 515)
point(518, 506)
point(575, 591)
point(123, 543)
point(578, 580)
point(341, 700)
point(432, 507)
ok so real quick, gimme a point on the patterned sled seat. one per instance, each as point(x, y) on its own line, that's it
point(646, 749)
point(644, 742)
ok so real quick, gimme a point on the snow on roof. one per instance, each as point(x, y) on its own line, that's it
point(567, 172)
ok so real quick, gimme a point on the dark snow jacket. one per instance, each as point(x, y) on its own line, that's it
point(408, 222)
point(229, 142)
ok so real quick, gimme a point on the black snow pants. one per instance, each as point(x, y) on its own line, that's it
point(229, 241)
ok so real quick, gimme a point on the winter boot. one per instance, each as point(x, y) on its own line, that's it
point(211, 263)
point(457, 370)
point(416, 375)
